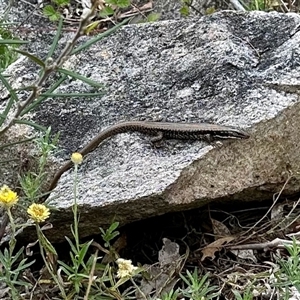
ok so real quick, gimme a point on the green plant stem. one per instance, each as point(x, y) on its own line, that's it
point(75, 209)
point(12, 241)
point(91, 275)
point(49, 268)
point(12, 244)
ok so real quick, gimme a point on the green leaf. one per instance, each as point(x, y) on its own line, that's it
point(48, 247)
point(32, 57)
point(185, 10)
point(61, 2)
point(113, 227)
point(50, 12)
point(80, 77)
point(100, 37)
point(22, 266)
point(210, 10)
point(83, 252)
point(34, 104)
point(111, 2)
point(16, 256)
point(73, 247)
point(17, 42)
point(32, 124)
point(56, 38)
point(10, 89)
point(67, 269)
point(113, 235)
point(123, 3)
point(106, 11)
point(153, 17)
point(62, 95)
point(16, 143)
point(110, 233)
point(13, 98)
point(90, 27)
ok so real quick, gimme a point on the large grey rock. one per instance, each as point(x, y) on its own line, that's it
point(211, 69)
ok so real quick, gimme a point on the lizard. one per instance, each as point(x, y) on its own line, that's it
point(158, 131)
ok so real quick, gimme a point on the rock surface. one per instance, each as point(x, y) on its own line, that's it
point(211, 69)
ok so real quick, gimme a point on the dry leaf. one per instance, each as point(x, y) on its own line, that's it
point(212, 248)
point(219, 228)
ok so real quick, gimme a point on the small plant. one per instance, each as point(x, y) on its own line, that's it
point(153, 17)
point(7, 44)
point(110, 233)
point(78, 272)
point(247, 295)
point(111, 7)
point(289, 272)
point(185, 8)
point(172, 295)
point(12, 263)
point(198, 288)
point(32, 182)
point(257, 5)
point(52, 11)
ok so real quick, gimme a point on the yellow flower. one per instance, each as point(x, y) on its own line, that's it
point(38, 212)
point(7, 197)
point(76, 158)
point(126, 269)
